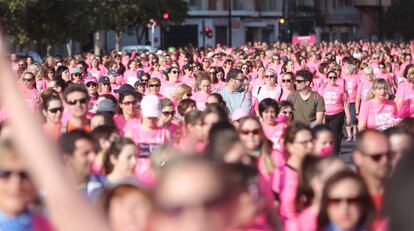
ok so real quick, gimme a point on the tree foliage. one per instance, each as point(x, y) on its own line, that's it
point(303, 19)
point(399, 19)
point(59, 21)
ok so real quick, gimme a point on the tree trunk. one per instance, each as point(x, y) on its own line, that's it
point(118, 38)
point(97, 47)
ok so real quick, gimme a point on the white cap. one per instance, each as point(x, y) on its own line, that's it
point(150, 106)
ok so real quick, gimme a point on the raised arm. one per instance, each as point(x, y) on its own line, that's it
point(69, 210)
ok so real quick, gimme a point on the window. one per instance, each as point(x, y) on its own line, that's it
point(271, 5)
point(194, 4)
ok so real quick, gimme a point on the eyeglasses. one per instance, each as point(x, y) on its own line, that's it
point(55, 110)
point(154, 85)
point(246, 131)
point(91, 85)
point(269, 76)
point(377, 157)
point(106, 84)
point(144, 80)
point(129, 103)
point(6, 174)
point(331, 77)
point(77, 74)
point(168, 113)
point(75, 101)
point(299, 81)
point(27, 79)
point(174, 72)
point(348, 200)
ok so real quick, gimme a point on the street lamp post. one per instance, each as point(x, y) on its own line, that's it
point(230, 37)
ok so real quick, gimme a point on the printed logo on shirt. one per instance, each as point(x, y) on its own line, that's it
point(331, 97)
point(146, 149)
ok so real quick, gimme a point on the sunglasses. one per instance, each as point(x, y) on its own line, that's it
point(300, 81)
point(77, 74)
point(91, 85)
point(55, 110)
point(269, 76)
point(349, 200)
point(106, 84)
point(189, 95)
point(246, 132)
point(331, 77)
point(286, 80)
point(6, 174)
point(27, 79)
point(168, 113)
point(377, 157)
point(154, 85)
point(174, 72)
point(75, 101)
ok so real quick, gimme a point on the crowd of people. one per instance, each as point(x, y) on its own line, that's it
point(213, 139)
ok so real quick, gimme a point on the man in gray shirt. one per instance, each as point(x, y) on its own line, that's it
point(233, 93)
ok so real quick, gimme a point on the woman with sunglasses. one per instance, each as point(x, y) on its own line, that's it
point(167, 119)
point(129, 102)
point(173, 81)
point(259, 148)
point(269, 89)
point(288, 84)
point(30, 93)
point(91, 84)
point(314, 172)
point(52, 108)
point(336, 107)
point(298, 143)
point(154, 87)
point(345, 204)
point(104, 86)
point(378, 112)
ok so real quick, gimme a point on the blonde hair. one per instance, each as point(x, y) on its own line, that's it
point(378, 84)
point(200, 80)
point(181, 91)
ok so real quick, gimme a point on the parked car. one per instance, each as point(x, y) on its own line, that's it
point(138, 48)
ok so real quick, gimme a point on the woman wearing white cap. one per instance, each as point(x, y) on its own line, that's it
point(147, 135)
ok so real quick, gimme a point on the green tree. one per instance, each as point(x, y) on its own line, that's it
point(303, 19)
point(399, 19)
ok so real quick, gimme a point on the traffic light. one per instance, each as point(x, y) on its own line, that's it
point(165, 15)
point(208, 32)
point(282, 21)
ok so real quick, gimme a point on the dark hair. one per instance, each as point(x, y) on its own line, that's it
point(107, 116)
point(219, 99)
point(407, 124)
point(103, 132)
point(114, 150)
point(165, 102)
point(47, 99)
point(292, 130)
point(75, 88)
point(407, 68)
point(60, 83)
point(67, 141)
point(221, 138)
point(59, 71)
point(268, 103)
point(184, 105)
point(232, 74)
point(321, 128)
point(136, 95)
point(285, 103)
point(367, 206)
point(307, 75)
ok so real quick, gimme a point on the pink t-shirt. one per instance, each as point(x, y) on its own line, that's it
point(201, 99)
point(168, 89)
point(334, 96)
point(32, 98)
point(305, 221)
point(406, 93)
point(41, 84)
point(274, 133)
point(351, 87)
point(130, 77)
point(288, 185)
point(378, 115)
point(95, 73)
point(363, 88)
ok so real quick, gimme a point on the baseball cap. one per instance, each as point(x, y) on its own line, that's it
point(104, 79)
point(106, 105)
point(113, 73)
point(150, 106)
point(138, 83)
point(124, 88)
point(90, 79)
point(188, 66)
point(140, 73)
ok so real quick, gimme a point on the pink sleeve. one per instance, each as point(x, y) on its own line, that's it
point(363, 113)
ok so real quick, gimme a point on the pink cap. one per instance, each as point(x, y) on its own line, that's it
point(91, 79)
point(238, 114)
point(150, 106)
